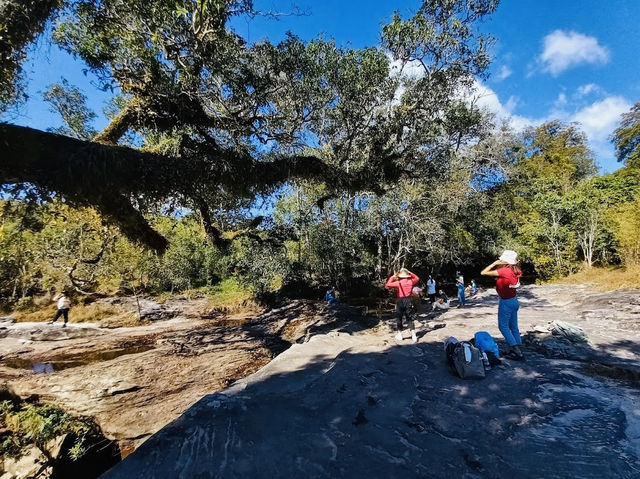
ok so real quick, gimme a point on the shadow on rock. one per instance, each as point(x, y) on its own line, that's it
point(399, 412)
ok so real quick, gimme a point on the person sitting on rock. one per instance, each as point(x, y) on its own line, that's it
point(331, 296)
point(473, 287)
point(63, 308)
point(442, 301)
point(403, 281)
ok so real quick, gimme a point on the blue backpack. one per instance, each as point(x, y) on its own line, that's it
point(485, 343)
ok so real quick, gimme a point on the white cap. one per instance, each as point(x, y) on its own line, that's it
point(509, 256)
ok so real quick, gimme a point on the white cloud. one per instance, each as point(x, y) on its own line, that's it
point(585, 90)
point(408, 71)
point(505, 72)
point(561, 101)
point(485, 97)
point(413, 69)
point(564, 50)
point(511, 104)
point(599, 119)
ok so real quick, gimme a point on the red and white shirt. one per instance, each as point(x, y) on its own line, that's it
point(403, 285)
point(507, 277)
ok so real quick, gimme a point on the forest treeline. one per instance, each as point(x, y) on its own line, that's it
point(290, 166)
point(545, 201)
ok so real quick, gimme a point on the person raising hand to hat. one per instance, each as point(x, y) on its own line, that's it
point(508, 273)
point(403, 281)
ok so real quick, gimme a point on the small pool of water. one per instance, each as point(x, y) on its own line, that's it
point(59, 363)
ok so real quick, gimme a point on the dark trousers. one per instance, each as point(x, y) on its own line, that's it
point(62, 312)
point(432, 298)
point(404, 307)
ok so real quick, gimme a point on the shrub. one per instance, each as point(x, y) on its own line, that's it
point(34, 423)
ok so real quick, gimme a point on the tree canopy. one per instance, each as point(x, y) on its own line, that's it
point(213, 114)
point(369, 158)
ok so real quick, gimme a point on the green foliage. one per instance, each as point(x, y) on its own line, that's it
point(625, 220)
point(38, 424)
point(70, 103)
point(371, 157)
point(21, 21)
point(626, 138)
point(262, 265)
point(539, 209)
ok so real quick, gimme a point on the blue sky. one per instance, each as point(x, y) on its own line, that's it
point(572, 60)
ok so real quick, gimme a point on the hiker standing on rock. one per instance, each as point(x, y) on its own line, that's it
point(508, 274)
point(460, 285)
point(416, 298)
point(63, 308)
point(403, 281)
point(431, 289)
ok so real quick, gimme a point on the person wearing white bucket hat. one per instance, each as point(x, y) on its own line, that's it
point(508, 273)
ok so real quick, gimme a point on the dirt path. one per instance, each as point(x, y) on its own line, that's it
point(352, 403)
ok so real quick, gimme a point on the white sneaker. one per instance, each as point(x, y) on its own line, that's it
point(414, 338)
point(399, 336)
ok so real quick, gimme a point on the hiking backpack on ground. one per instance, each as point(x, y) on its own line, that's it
point(464, 359)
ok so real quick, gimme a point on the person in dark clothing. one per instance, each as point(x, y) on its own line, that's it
point(403, 281)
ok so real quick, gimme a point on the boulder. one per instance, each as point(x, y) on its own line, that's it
point(54, 446)
point(32, 463)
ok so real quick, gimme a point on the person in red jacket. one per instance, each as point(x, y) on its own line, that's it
point(403, 281)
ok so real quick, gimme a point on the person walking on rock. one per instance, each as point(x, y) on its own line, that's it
point(403, 281)
point(508, 273)
point(63, 308)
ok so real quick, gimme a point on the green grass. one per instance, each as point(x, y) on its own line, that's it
point(606, 279)
point(229, 296)
point(79, 313)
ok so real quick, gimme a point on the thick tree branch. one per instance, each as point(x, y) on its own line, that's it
point(105, 176)
point(118, 126)
point(86, 173)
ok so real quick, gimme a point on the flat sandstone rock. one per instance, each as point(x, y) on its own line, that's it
point(361, 405)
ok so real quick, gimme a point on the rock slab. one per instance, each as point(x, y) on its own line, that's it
point(343, 406)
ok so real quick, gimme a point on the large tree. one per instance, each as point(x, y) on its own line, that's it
point(220, 118)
